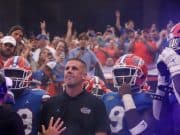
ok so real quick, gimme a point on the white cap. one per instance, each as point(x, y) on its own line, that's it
point(8, 39)
point(51, 64)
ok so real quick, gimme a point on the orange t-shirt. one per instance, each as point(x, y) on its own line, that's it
point(100, 55)
point(111, 52)
point(103, 53)
point(141, 50)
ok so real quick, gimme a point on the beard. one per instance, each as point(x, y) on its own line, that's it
point(6, 54)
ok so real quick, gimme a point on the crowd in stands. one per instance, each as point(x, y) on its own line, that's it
point(99, 50)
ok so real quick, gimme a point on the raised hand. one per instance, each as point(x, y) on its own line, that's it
point(69, 24)
point(117, 13)
point(43, 25)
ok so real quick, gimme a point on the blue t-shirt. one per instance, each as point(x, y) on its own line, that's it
point(115, 109)
point(88, 57)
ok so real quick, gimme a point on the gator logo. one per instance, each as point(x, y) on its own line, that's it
point(85, 110)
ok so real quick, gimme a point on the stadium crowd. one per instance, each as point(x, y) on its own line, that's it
point(121, 67)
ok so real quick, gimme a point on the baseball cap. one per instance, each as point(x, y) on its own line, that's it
point(41, 37)
point(8, 39)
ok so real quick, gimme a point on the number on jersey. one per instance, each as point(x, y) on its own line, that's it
point(26, 116)
point(116, 116)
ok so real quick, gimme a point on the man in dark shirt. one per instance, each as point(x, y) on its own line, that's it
point(82, 113)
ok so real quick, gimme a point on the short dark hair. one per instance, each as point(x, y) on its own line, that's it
point(16, 27)
point(83, 36)
point(81, 61)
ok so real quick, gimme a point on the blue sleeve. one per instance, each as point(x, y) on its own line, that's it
point(143, 101)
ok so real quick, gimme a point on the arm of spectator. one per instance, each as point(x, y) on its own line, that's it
point(69, 31)
point(74, 35)
point(117, 14)
point(43, 27)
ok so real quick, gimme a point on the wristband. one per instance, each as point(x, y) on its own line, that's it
point(156, 97)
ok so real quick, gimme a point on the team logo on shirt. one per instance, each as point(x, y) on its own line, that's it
point(85, 110)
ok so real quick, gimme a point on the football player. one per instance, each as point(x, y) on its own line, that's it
point(10, 121)
point(129, 108)
point(166, 106)
point(27, 102)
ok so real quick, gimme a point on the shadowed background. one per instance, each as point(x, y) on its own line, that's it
point(85, 13)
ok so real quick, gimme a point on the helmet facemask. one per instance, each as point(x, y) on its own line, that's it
point(126, 75)
point(129, 69)
point(20, 78)
point(175, 44)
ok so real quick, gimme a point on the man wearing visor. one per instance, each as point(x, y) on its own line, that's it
point(130, 108)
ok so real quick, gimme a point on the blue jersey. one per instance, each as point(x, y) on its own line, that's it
point(115, 109)
point(28, 106)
